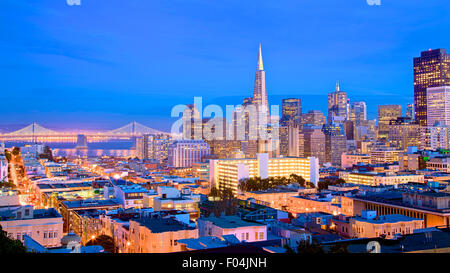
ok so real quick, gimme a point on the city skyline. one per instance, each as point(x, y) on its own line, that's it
point(144, 127)
point(70, 79)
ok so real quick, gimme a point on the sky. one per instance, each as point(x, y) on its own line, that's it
point(105, 63)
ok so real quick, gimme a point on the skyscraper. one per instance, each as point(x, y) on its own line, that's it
point(403, 133)
point(153, 146)
point(250, 119)
point(438, 105)
point(313, 141)
point(313, 117)
point(289, 140)
point(142, 146)
point(291, 111)
point(386, 114)
point(337, 105)
point(192, 123)
point(431, 69)
point(259, 92)
point(359, 111)
point(335, 142)
point(410, 111)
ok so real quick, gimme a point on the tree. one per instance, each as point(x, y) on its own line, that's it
point(8, 155)
point(7, 185)
point(10, 246)
point(105, 241)
point(323, 185)
point(293, 178)
point(214, 192)
point(305, 247)
point(289, 249)
point(338, 248)
point(259, 184)
point(228, 203)
point(16, 151)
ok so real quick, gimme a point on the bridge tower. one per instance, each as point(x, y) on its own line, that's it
point(33, 132)
point(81, 142)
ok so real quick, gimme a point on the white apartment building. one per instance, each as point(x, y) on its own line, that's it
point(384, 155)
point(438, 105)
point(377, 179)
point(43, 225)
point(226, 173)
point(439, 136)
point(183, 153)
point(232, 225)
point(3, 169)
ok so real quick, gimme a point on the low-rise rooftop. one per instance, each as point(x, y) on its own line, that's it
point(156, 225)
point(230, 221)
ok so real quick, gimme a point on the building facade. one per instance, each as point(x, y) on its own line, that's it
point(386, 114)
point(226, 173)
point(431, 69)
point(183, 153)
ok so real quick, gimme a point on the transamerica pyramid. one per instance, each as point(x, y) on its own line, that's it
point(259, 92)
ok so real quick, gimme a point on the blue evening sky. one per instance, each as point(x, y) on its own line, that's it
point(108, 62)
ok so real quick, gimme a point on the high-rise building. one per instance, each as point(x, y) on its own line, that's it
point(410, 111)
point(349, 128)
point(250, 119)
point(259, 92)
point(313, 117)
point(358, 109)
point(141, 147)
point(383, 155)
point(438, 105)
point(183, 153)
point(439, 136)
point(337, 105)
point(153, 146)
point(291, 112)
point(160, 146)
point(226, 173)
point(313, 141)
point(249, 148)
point(335, 143)
point(289, 140)
point(224, 148)
point(431, 69)
point(366, 130)
point(3, 169)
point(215, 128)
point(386, 114)
point(192, 124)
point(403, 133)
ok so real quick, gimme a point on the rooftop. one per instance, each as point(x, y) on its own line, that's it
point(231, 221)
point(90, 203)
point(276, 190)
point(9, 215)
point(388, 218)
point(162, 225)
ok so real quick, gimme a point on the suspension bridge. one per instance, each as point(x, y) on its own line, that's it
point(37, 133)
